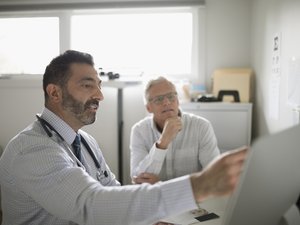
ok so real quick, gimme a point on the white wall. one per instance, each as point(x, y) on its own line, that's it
point(228, 35)
point(268, 18)
point(240, 34)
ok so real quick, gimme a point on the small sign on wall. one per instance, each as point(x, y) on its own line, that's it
point(275, 78)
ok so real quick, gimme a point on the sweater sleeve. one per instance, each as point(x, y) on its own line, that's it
point(144, 158)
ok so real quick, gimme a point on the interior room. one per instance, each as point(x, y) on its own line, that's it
point(260, 36)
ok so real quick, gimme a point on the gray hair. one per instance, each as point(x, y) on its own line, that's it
point(153, 82)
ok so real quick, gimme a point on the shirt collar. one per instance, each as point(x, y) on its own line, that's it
point(67, 133)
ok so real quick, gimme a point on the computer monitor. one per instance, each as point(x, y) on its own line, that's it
point(270, 183)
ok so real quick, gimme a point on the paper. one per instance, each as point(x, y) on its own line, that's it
point(275, 79)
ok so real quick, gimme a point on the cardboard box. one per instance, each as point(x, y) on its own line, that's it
point(239, 79)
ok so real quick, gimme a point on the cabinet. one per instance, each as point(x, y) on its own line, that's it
point(232, 122)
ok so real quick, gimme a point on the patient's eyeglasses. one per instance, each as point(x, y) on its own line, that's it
point(158, 100)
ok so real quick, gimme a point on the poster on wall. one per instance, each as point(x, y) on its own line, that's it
point(275, 78)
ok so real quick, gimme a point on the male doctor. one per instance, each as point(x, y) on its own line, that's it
point(45, 179)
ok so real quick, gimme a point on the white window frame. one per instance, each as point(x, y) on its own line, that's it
point(198, 69)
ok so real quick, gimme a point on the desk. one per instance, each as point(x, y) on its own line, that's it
point(213, 205)
point(120, 84)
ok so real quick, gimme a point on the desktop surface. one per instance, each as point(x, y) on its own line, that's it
point(215, 206)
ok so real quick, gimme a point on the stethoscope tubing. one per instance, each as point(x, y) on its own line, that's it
point(46, 126)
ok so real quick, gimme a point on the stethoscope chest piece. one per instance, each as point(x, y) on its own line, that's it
point(101, 175)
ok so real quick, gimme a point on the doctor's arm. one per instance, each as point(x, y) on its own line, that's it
point(66, 191)
point(49, 178)
point(221, 176)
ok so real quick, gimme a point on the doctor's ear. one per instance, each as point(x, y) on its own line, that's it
point(54, 92)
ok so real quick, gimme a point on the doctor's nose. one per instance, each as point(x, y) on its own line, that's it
point(98, 95)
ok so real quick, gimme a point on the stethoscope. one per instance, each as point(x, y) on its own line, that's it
point(100, 174)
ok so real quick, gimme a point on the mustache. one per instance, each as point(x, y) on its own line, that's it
point(90, 103)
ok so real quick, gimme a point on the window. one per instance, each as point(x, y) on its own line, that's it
point(138, 42)
point(27, 44)
point(133, 42)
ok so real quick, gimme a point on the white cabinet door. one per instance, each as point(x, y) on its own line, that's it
point(231, 121)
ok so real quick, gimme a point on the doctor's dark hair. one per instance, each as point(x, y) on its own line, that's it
point(58, 71)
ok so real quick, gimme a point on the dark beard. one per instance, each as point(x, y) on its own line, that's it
point(79, 109)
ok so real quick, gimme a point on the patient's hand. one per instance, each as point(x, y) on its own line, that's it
point(145, 178)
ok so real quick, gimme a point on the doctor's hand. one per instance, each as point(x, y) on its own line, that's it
point(221, 176)
point(145, 178)
point(171, 128)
